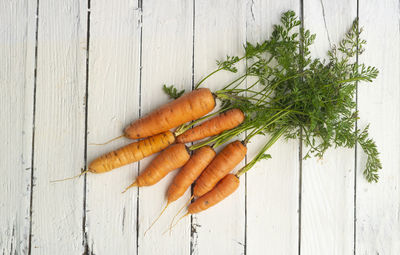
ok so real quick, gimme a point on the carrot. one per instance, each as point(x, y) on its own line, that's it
point(221, 165)
point(189, 173)
point(186, 176)
point(222, 190)
point(169, 159)
point(131, 153)
point(214, 126)
point(186, 108)
point(128, 154)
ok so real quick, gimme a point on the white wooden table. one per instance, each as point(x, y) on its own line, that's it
point(77, 72)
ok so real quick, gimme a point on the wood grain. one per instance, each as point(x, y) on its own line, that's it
point(17, 62)
point(114, 81)
point(133, 51)
point(167, 58)
point(57, 208)
point(273, 184)
point(220, 30)
point(328, 183)
point(378, 205)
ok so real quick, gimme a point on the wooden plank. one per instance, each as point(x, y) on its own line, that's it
point(378, 205)
point(17, 51)
point(166, 58)
point(57, 208)
point(114, 77)
point(272, 185)
point(220, 30)
point(328, 184)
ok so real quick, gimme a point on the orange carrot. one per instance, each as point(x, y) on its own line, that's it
point(222, 190)
point(170, 159)
point(214, 126)
point(186, 176)
point(131, 153)
point(221, 165)
point(186, 108)
point(189, 173)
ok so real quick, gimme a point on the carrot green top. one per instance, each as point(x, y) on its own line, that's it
point(297, 96)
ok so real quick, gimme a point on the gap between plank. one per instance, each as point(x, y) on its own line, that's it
point(193, 242)
point(84, 231)
point(33, 129)
point(140, 7)
point(300, 142)
point(355, 153)
point(245, 158)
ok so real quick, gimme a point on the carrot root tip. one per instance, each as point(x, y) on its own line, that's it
point(183, 207)
point(130, 186)
point(161, 213)
point(70, 178)
point(109, 141)
point(176, 223)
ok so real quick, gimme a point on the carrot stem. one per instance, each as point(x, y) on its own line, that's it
point(213, 72)
point(269, 122)
point(260, 155)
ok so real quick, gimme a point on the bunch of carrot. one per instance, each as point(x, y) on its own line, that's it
point(209, 168)
point(204, 164)
point(292, 96)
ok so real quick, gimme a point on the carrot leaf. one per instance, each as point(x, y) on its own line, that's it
point(172, 91)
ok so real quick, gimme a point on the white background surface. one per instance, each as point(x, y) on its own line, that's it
point(77, 72)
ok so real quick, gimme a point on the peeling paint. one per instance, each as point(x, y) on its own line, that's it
point(194, 236)
point(12, 248)
point(123, 219)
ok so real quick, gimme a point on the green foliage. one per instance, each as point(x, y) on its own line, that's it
point(228, 64)
point(373, 162)
point(265, 156)
point(309, 98)
point(172, 92)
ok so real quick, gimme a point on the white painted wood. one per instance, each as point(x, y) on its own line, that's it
point(57, 208)
point(378, 205)
point(220, 30)
point(272, 185)
point(327, 209)
point(114, 76)
point(167, 58)
point(221, 27)
point(17, 61)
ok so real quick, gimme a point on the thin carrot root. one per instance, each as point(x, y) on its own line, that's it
point(70, 178)
point(152, 224)
point(109, 141)
point(130, 186)
point(176, 223)
point(180, 210)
